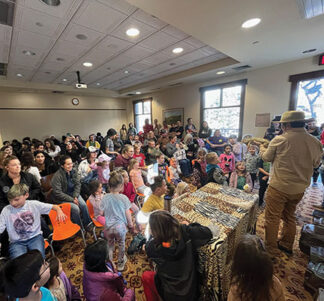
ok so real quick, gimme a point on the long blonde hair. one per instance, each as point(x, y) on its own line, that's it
point(132, 162)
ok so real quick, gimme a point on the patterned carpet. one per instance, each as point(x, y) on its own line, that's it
point(290, 270)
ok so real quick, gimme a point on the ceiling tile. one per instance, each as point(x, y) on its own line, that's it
point(140, 66)
point(63, 48)
point(31, 61)
point(157, 58)
point(194, 42)
point(45, 76)
point(13, 70)
point(145, 30)
point(186, 49)
point(61, 11)
point(90, 37)
point(119, 5)
point(47, 25)
point(114, 44)
point(193, 56)
point(175, 32)
point(148, 19)
point(30, 39)
point(138, 52)
point(98, 17)
point(158, 41)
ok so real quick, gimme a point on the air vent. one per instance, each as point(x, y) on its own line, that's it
point(131, 94)
point(3, 69)
point(7, 12)
point(57, 92)
point(239, 68)
point(176, 84)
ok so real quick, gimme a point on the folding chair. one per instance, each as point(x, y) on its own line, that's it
point(66, 229)
point(94, 221)
point(47, 244)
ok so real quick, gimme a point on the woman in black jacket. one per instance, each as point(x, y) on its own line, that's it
point(204, 132)
point(173, 248)
point(45, 164)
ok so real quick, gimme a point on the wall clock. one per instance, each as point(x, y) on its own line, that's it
point(75, 101)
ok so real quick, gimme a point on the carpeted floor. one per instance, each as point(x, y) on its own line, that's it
point(290, 270)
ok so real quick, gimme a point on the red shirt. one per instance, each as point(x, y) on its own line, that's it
point(120, 161)
point(140, 158)
point(129, 191)
point(147, 128)
point(322, 137)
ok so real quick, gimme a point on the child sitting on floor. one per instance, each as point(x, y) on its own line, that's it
point(100, 279)
point(25, 276)
point(252, 273)
point(117, 215)
point(59, 285)
point(174, 171)
point(214, 172)
point(227, 160)
point(103, 170)
point(22, 221)
point(95, 188)
point(176, 276)
point(182, 188)
point(240, 178)
point(135, 174)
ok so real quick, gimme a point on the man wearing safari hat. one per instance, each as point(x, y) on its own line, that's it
point(293, 155)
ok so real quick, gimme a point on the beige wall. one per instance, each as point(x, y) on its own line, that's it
point(64, 118)
point(267, 91)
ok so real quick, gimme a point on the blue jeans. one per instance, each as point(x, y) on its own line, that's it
point(83, 209)
point(18, 248)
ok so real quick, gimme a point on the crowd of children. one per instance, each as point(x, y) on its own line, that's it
point(112, 172)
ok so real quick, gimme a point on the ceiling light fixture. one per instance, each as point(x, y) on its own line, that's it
point(309, 50)
point(64, 80)
point(87, 64)
point(126, 71)
point(98, 84)
point(19, 75)
point(138, 92)
point(27, 52)
point(220, 72)
point(177, 50)
point(132, 32)
point(52, 2)
point(251, 23)
point(81, 36)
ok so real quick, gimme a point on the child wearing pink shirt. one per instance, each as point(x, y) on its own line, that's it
point(95, 188)
point(135, 174)
point(103, 170)
point(227, 160)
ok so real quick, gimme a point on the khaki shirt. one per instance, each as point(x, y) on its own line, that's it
point(294, 155)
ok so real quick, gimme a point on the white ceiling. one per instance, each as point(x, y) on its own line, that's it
point(282, 35)
point(50, 32)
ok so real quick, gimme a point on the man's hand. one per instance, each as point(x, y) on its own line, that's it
point(75, 201)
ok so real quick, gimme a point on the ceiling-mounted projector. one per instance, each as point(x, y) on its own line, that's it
point(80, 85)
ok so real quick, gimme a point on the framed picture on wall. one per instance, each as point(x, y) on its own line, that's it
point(173, 115)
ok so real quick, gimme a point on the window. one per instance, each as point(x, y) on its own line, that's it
point(142, 111)
point(222, 107)
point(307, 94)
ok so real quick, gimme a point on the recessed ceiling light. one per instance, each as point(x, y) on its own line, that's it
point(39, 24)
point(309, 50)
point(87, 64)
point(19, 75)
point(64, 80)
point(52, 2)
point(81, 36)
point(98, 84)
point(132, 32)
point(137, 92)
point(126, 71)
point(60, 59)
point(27, 52)
point(177, 50)
point(251, 22)
point(220, 72)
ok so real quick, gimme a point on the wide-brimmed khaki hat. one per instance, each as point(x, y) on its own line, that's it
point(291, 116)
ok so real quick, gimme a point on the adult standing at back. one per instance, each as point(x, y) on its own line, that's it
point(293, 155)
point(147, 127)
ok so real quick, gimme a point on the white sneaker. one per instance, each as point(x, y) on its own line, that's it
point(121, 265)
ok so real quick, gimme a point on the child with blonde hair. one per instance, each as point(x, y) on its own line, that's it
point(214, 172)
point(95, 198)
point(103, 170)
point(135, 174)
point(118, 216)
point(240, 178)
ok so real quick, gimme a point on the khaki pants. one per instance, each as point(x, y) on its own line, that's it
point(280, 205)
